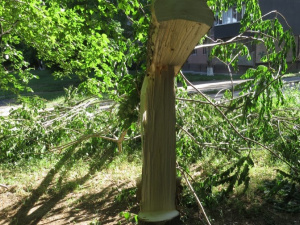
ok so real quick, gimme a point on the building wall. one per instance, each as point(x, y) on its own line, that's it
point(289, 9)
point(198, 56)
point(261, 51)
point(226, 31)
point(197, 61)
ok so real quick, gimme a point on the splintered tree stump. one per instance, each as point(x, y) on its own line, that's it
point(176, 27)
point(173, 42)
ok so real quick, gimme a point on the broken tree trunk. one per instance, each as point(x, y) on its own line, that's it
point(176, 28)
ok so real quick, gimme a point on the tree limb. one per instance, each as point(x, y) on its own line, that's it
point(9, 30)
point(241, 36)
point(194, 193)
point(198, 101)
point(4, 186)
point(234, 128)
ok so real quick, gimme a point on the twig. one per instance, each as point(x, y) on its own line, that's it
point(9, 30)
point(233, 40)
point(4, 186)
point(190, 135)
point(38, 8)
point(83, 138)
point(142, 9)
point(223, 89)
point(194, 193)
point(136, 137)
point(120, 140)
point(241, 36)
point(192, 100)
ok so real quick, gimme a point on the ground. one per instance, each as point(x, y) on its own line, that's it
point(83, 198)
point(74, 208)
point(108, 197)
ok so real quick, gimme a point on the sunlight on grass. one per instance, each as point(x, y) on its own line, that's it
point(28, 174)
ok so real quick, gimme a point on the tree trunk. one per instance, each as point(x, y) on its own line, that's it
point(159, 139)
point(176, 27)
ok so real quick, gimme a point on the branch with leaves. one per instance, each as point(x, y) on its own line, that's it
point(234, 128)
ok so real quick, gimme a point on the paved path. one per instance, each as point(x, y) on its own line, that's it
point(223, 85)
point(214, 86)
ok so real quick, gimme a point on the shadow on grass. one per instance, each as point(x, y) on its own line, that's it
point(103, 204)
point(35, 207)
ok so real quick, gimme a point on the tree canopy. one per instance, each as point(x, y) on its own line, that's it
point(101, 38)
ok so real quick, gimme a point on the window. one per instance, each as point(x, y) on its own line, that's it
point(204, 51)
point(230, 16)
point(194, 52)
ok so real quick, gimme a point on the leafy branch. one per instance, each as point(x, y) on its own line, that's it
point(234, 128)
point(242, 36)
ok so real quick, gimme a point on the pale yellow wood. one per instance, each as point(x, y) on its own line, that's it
point(175, 40)
point(159, 157)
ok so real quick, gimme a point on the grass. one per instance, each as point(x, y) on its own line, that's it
point(107, 196)
point(78, 192)
point(46, 86)
point(252, 207)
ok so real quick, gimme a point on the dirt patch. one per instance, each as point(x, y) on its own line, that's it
point(76, 207)
point(104, 204)
point(67, 193)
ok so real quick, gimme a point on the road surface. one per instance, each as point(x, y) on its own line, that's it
point(223, 85)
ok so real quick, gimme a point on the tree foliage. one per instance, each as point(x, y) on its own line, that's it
point(203, 133)
point(97, 40)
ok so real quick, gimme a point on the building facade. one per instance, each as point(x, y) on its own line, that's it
point(227, 25)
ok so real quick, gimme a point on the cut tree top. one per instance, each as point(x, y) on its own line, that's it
point(178, 27)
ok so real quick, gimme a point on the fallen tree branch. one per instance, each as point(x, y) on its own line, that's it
point(198, 101)
point(234, 128)
point(194, 193)
point(4, 186)
point(119, 140)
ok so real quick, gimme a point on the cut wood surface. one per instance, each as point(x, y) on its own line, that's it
point(175, 40)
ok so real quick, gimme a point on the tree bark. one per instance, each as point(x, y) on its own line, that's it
point(176, 27)
point(159, 139)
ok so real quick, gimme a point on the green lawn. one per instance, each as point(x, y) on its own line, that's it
point(46, 86)
point(48, 83)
